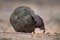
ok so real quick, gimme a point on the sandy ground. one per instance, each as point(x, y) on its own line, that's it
point(8, 33)
point(45, 11)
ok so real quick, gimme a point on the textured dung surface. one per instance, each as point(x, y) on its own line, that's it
point(21, 19)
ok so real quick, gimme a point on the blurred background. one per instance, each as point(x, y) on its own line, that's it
point(49, 10)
